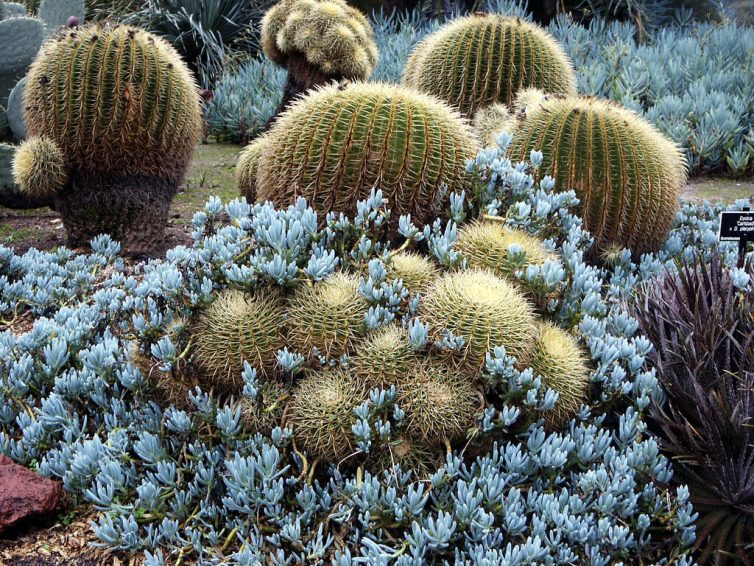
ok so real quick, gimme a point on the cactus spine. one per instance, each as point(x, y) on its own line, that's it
point(124, 110)
point(335, 145)
point(627, 175)
point(476, 61)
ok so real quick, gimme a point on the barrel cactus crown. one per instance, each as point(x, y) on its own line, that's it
point(327, 316)
point(488, 244)
point(336, 145)
point(479, 60)
point(415, 270)
point(384, 358)
point(483, 309)
point(627, 175)
point(117, 100)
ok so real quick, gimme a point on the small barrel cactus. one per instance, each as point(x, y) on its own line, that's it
point(487, 244)
point(439, 402)
point(485, 311)
point(328, 316)
point(40, 165)
point(479, 60)
point(492, 120)
point(246, 169)
point(384, 358)
point(562, 364)
point(124, 110)
point(318, 41)
point(235, 328)
point(321, 413)
point(10, 193)
point(336, 145)
point(416, 271)
point(627, 175)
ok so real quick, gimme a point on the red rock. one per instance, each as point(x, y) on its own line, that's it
point(24, 494)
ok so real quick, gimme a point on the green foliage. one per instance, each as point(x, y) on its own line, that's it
point(55, 13)
point(16, 110)
point(20, 38)
point(336, 144)
point(477, 61)
point(627, 175)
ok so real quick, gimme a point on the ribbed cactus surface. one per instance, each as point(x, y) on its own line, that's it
point(246, 169)
point(331, 35)
point(337, 144)
point(627, 175)
point(117, 100)
point(476, 61)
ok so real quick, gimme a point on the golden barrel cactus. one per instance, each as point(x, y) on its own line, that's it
point(627, 175)
point(476, 61)
point(124, 111)
point(337, 144)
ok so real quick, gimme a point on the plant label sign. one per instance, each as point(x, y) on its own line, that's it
point(737, 226)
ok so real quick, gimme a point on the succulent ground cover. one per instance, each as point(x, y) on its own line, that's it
point(200, 482)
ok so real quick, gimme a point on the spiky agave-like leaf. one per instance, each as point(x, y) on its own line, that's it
point(415, 270)
point(485, 245)
point(328, 316)
point(329, 34)
point(476, 61)
point(485, 310)
point(439, 402)
point(321, 413)
point(246, 169)
point(117, 100)
point(238, 327)
point(335, 145)
point(627, 175)
point(39, 167)
point(384, 357)
point(562, 363)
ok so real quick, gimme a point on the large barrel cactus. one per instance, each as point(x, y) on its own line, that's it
point(125, 113)
point(318, 41)
point(627, 175)
point(337, 144)
point(479, 60)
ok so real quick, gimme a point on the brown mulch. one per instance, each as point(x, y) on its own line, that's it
point(44, 544)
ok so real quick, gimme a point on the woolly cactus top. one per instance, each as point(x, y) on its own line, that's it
point(117, 100)
point(329, 34)
point(479, 60)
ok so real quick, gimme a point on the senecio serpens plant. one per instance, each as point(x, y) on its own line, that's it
point(196, 483)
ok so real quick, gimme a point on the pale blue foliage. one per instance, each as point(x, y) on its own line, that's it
point(591, 492)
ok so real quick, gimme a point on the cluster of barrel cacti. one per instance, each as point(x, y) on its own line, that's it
point(341, 358)
point(504, 74)
point(112, 129)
